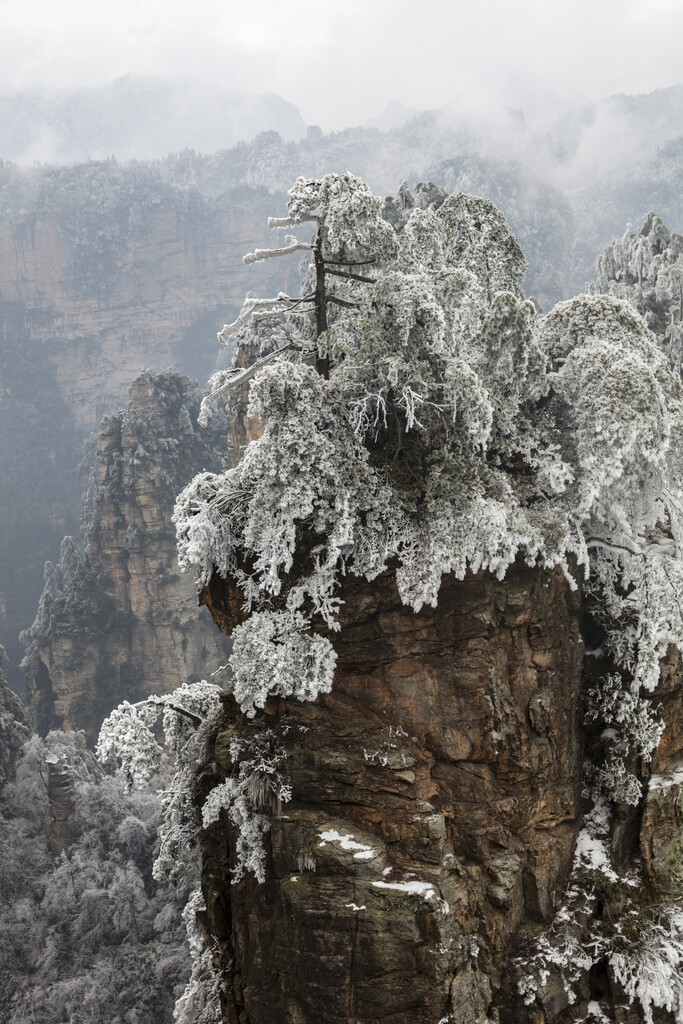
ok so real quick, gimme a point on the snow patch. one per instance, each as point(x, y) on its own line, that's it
point(596, 1011)
point(674, 778)
point(592, 851)
point(347, 842)
point(414, 887)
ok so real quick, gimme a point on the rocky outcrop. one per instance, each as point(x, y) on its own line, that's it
point(104, 270)
point(435, 803)
point(428, 850)
point(117, 620)
point(661, 830)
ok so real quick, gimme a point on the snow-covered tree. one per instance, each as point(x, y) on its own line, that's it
point(129, 739)
point(418, 410)
point(647, 269)
point(89, 937)
point(13, 728)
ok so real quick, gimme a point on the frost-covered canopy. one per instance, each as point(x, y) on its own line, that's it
point(419, 411)
point(647, 269)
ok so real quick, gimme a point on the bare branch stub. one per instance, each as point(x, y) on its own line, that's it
point(197, 719)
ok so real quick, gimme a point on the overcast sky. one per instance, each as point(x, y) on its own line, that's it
point(342, 62)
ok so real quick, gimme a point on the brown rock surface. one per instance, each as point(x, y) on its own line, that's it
point(661, 830)
point(450, 753)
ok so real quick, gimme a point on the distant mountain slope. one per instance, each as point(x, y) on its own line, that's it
point(136, 118)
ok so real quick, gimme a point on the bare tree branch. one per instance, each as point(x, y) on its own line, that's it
point(291, 222)
point(351, 277)
point(350, 263)
point(197, 719)
point(256, 309)
point(234, 378)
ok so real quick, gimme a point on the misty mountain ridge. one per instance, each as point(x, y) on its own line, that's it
point(137, 118)
point(394, 115)
point(569, 142)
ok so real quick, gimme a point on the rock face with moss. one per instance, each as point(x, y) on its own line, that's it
point(117, 620)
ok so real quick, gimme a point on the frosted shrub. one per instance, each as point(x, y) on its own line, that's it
point(650, 967)
point(643, 946)
point(632, 728)
point(128, 739)
point(620, 706)
point(257, 785)
point(200, 1003)
point(647, 269)
point(271, 655)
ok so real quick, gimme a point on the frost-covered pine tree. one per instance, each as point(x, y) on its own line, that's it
point(419, 413)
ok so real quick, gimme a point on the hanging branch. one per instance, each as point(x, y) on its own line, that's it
point(234, 378)
point(257, 309)
point(197, 719)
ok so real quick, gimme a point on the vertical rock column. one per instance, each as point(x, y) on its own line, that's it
point(435, 802)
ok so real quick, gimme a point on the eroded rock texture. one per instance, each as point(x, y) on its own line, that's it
point(436, 799)
point(104, 297)
point(117, 620)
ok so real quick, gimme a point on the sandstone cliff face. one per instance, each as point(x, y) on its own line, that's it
point(118, 620)
point(436, 799)
point(661, 830)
